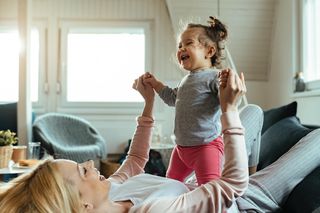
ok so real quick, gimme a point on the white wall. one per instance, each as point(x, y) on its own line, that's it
point(282, 63)
point(285, 62)
point(256, 91)
point(308, 109)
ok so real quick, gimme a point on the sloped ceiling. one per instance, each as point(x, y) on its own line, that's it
point(250, 25)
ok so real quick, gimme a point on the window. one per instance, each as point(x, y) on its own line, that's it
point(102, 66)
point(9, 65)
point(100, 62)
point(311, 42)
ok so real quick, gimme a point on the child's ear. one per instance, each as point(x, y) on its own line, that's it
point(211, 51)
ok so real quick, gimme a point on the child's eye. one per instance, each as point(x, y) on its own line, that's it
point(84, 170)
point(189, 42)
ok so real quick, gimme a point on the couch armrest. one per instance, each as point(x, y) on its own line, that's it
point(305, 197)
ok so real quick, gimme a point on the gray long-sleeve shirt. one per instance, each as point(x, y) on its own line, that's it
point(197, 114)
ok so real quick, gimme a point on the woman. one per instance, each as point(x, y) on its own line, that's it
point(65, 186)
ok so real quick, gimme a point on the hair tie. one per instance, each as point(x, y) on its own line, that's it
point(212, 21)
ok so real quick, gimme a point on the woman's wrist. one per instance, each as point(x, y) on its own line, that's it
point(148, 108)
point(149, 100)
point(229, 108)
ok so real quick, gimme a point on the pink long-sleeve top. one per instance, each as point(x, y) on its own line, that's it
point(215, 196)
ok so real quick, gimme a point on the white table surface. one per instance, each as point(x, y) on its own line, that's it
point(159, 145)
point(12, 169)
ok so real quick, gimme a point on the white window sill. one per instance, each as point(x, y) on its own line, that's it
point(311, 93)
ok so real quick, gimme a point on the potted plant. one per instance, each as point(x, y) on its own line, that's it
point(7, 139)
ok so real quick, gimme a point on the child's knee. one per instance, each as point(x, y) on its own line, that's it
point(175, 176)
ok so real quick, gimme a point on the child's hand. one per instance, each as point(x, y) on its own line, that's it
point(223, 77)
point(148, 78)
point(232, 88)
point(147, 75)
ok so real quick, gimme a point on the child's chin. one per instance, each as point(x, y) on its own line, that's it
point(185, 67)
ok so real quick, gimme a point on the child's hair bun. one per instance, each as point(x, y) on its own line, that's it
point(218, 27)
point(211, 21)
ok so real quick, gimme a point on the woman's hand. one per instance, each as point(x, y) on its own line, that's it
point(147, 93)
point(231, 90)
point(145, 90)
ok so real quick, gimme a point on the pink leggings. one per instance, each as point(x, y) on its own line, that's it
point(205, 160)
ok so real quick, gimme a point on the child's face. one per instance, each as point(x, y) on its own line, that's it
point(191, 54)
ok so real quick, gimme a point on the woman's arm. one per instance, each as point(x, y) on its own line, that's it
point(147, 93)
point(138, 153)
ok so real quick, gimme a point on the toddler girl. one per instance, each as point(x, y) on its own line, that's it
point(197, 116)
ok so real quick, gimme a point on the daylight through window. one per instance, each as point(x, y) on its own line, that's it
point(9, 65)
point(311, 39)
point(101, 66)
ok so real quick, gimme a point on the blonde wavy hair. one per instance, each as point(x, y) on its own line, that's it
point(43, 190)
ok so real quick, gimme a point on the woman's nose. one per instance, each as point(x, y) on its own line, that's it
point(90, 163)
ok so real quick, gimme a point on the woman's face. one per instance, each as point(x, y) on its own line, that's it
point(93, 187)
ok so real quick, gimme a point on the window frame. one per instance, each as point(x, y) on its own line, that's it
point(43, 91)
point(41, 26)
point(67, 26)
point(311, 85)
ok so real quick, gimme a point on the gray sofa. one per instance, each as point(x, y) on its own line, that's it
point(281, 130)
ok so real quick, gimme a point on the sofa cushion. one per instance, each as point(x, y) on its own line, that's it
point(307, 192)
point(279, 138)
point(274, 115)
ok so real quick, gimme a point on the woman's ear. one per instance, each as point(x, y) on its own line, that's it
point(88, 206)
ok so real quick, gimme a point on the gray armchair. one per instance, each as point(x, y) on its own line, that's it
point(69, 137)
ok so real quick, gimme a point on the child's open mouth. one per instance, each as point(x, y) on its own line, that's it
point(184, 57)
